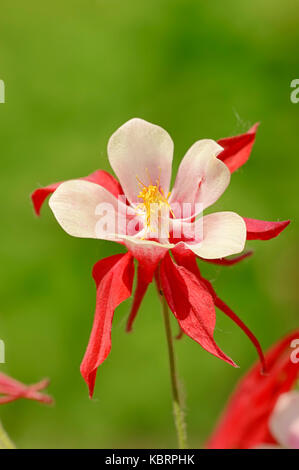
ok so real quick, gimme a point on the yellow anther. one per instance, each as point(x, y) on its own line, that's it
point(150, 195)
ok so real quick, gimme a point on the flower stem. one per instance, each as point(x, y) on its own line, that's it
point(5, 442)
point(179, 417)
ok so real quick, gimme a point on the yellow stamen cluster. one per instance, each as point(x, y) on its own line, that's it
point(152, 194)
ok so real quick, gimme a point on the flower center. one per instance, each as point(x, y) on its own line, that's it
point(154, 201)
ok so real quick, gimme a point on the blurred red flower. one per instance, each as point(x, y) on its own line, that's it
point(260, 411)
point(11, 390)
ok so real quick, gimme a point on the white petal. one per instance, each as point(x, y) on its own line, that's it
point(182, 230)
point(202, 177)
point(224, 234)
point(284, 422)
point(80, 207)
point(147, 251)
point(142, 150)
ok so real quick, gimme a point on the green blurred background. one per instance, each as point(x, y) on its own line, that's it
point(74, 72)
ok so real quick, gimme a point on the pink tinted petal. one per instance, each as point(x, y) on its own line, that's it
point(264, 230)
point(237, 149)
point(142, 151)
point(100, 177)
point(87, 210)
point(148, 252)
point(114, 278)
point(192, 306)
point(201, 179)
point(284, 422)
point(224, 234)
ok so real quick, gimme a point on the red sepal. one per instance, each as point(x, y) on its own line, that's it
point(264, 230)
point(192, 305)
point(114, 279)
point(188, 259)
point(144, 278)
point(101, 177)
point(237, 149)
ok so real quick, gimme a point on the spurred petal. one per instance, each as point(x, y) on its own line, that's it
point(264, 230)
point(237, 149)
point(100, 177)
point(245, 422)
point(228, 311)
point(191, 304)
point(284, 421)
point(114, 278)
point(187, 259)
point(12, 389)
point(144, 278)
point(141, 153)
point(229, 261)
point(224, 234)
point(201, 178)
point(87, 210)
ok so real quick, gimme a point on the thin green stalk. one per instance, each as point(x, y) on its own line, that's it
point(179, 416)
point(5, 442)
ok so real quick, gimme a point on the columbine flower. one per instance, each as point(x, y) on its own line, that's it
point(263, 411)
point(140, 213)
point(11, 390)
